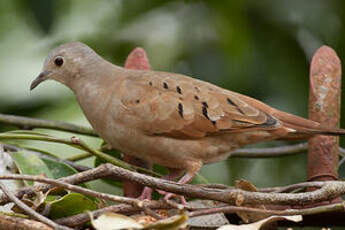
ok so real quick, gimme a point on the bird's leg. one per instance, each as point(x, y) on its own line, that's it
point(184, 180)
point(172, 175)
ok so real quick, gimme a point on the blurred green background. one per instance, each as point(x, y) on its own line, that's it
point(259, 48)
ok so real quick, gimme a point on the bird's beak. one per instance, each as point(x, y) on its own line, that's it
point(42, 77)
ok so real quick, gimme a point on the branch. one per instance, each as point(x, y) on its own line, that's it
point(78, 178)
point(16, 223)
point(270, 152)
point(289, 212)
point(29, 123)
point(74, 188)
point(82, 218)
point(30, 211)
point(79, 144)
point(328, 191)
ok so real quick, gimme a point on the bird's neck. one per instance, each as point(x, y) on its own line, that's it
point(93, 90)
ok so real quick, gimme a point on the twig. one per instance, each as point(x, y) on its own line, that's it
point(79, 178)
point(328, 191)
point(288, 212)
point(292, 187)
point(16, 223)
point(82, 218)
point(270, 152)
point(30, 211)
point(79, 144)
point(47, 124)
point(79, 157)
point(275, 151)
point(74, 188)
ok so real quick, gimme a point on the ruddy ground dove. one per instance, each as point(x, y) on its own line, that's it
point(168, 118)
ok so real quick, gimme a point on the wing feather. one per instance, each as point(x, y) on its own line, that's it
point(175, 105)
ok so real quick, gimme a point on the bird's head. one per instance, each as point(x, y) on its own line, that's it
point(64, 63)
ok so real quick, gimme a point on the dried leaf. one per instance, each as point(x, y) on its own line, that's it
point(248, 217)
point(245, 185)
point(259, 224)
point(114, 221)
point(171, 223)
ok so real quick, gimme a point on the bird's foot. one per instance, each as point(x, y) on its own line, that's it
point(147, 195)
point(170, 195)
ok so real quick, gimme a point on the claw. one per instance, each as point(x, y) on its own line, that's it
point(170, 195)
point(146, 194)
point(174, 173)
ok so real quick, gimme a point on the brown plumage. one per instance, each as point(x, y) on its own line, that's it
point(167, 118)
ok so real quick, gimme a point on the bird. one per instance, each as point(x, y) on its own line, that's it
point(166, 118)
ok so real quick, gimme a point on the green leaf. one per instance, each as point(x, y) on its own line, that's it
point(29, 163)
point(71, 204)
point(59, 169)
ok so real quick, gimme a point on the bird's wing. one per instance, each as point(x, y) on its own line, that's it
point(170, 104)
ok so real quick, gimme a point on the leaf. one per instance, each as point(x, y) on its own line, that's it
point(171, 223)
point(114, 221)
point(29, 163)
point(71, 204)
point(59, 169)
point(248, 217)
point(259, 224)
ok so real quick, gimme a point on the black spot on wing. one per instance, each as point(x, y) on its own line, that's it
point(233, 104)
point(180, 110)
point(204, 112)
point(196, 97)
point(165, 85)
point(271, 121)
point(150, 83)
point(204, 103)
point(178, 90)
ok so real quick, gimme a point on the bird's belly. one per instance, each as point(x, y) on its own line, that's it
point(174, 152)
point(166, 151)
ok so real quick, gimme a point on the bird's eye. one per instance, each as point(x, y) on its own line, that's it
point(58, 61)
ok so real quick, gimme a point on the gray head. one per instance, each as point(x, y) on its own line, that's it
point(64, 63)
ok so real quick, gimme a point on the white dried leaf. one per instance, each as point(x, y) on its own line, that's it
point(114, 221)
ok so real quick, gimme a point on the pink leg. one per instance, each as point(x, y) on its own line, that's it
point(184, 180)
point(146, 194)
point(173, 175)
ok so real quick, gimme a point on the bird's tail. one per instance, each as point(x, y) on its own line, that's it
point(305, 128)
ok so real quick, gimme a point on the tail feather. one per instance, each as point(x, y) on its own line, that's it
point(305, 128)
